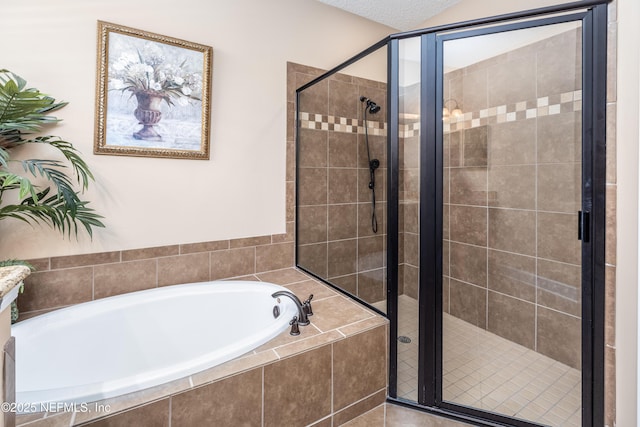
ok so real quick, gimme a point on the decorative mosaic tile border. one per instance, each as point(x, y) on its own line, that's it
point(544, 106)
point(341, 124)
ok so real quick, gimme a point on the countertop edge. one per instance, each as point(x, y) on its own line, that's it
point(12, 276)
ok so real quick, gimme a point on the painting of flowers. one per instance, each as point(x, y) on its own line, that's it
point(153, 95)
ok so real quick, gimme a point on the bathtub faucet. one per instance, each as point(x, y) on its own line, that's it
point(303, 320)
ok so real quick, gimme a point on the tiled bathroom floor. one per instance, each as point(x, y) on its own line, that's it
point(489, 372)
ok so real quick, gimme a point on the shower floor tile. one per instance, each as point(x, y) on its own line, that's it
point(483, 370)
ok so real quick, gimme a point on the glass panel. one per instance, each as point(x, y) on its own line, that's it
point(342, 178)
point(512, 189)
point(408, 225)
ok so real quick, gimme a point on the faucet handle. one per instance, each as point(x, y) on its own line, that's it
point(307, 306)
point(294, 326)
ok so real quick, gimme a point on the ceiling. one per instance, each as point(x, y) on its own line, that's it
point(402, 15)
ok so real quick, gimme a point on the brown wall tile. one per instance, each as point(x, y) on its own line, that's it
point(371, 285)
point(503, 135)
point(360, 408)
point(343, 185)
point(411, 246)
point(184, 269)
point(313, 186)
point(343, 150)
point(474, 99)
point(560, 286)
point(314, 258)
point(190, 248)
point(342, 222)
point(557, 237)
point(152, 414)
point(57, 288)
point(246, 242)
point(359, 367)
point(312, 146)
point(115, 279)
point(342, 257)
point(609, 386)
point(512, 319)
point(297, 390)
point(512, 274)
point(512, 186)
point(474, 147)
point(559, 66)
point(468, 302)
point(232, 263)
point(468, 186)
point(610, 306)
point(84, 260)
point(370, 253)
point(559, 336)
point(235, 401)
point(343, 98)
point(469, 263)
point(560, 138)
point(147, 253)
point(512, 231)
point(365, 221)
point(611, 227)
point(347, 283)
point(274, 257)
point(312, 224)
point(511, 80)
point(560, 187)
point(411, 281)
point(468, 224)
point(316, 98)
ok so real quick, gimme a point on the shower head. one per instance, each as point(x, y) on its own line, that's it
point(371, 106)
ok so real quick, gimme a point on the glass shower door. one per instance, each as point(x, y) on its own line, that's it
point(512, 185)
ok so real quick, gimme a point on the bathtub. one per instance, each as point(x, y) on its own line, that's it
point(129, 342)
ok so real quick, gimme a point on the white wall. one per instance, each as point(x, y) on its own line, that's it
point(148, 202)
point(628, 135)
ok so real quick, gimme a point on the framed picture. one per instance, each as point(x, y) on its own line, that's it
point(152, 96)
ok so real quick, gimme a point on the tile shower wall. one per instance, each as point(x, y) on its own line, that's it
point(335, 235)
point(409, 194)
point(512, 191)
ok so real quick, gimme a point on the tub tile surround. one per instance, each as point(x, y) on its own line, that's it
point(337, 367)
point(62, 281)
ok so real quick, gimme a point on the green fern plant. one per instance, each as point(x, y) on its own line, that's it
point(24, 112)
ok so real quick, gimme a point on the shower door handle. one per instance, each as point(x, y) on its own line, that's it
point(583, 226)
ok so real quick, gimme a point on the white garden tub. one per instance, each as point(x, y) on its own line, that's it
point(121, 344)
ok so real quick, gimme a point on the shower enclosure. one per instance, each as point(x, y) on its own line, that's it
point(452, 178)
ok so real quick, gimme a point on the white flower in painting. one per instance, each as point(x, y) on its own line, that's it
point(116, 84)
point(186, 90)
point(179, 81)
point(155, 85)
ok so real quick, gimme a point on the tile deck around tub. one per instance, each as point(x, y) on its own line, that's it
point(335, 318)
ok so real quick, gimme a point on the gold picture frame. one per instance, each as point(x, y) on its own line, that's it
point(152, 94)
